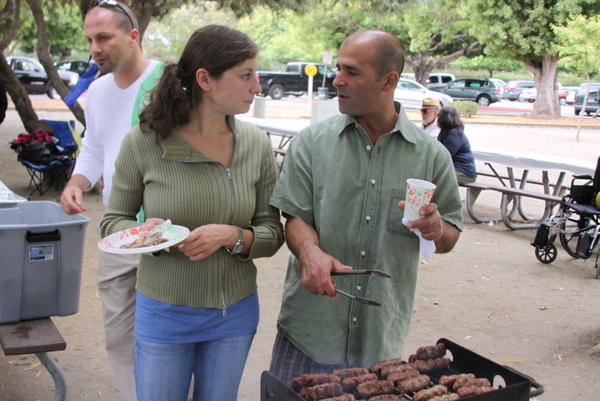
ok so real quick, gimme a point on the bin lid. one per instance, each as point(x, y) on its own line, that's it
point(8, 197)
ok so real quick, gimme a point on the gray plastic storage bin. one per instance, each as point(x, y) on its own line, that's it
point(41, 252)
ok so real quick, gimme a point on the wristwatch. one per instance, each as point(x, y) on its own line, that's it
point(239, 244)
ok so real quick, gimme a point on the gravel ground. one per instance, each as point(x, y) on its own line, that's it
point(490, 294)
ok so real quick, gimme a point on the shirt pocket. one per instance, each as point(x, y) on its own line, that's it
point(395, 214)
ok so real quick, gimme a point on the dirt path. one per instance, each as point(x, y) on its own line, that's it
point(490, 294)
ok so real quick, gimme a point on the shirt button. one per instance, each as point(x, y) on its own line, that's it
point(368, 218)
point(373, 181)
point(358, 287)
point(354, 319)
point(368, 147)
point(363, 253)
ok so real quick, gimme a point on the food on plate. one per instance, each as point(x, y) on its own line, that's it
point(343, 373)
point(413, 384)
point(428, 393)
point(145, 240)
point(468, 391)
point(320, 391)
point(350, 383)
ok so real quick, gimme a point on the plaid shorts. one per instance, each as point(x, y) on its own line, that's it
point(288, 361)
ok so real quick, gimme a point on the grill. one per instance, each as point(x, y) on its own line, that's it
point(512, 385)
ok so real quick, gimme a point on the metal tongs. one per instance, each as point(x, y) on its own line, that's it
point(362, 300)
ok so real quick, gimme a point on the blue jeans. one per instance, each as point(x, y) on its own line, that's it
point(163, 371)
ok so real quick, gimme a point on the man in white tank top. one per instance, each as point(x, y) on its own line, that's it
point(112, 107)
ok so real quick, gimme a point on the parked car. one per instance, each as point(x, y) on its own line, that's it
point(567, 94)
point(530, 94)
point(500, 84)
point(294, 81)
point(513, 88)
point(34, 78)
point(78, 66)
point(593, 100)
point(411, 93)
point(480, 90)
point(439, 79)
point(408, 75)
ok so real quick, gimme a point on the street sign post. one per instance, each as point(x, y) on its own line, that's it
point(310, 70)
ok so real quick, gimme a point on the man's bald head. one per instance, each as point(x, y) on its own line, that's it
point(387, 51)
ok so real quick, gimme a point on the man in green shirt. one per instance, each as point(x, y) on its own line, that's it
point(341, 189)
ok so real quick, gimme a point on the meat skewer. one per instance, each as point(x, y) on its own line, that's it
point(349, 383)
point(320, 391)
point(467, 391)
point(445, 397)
point(428, 393)
point(468, 381)
point(349, 372)
point(368, 389)
point(413, 384)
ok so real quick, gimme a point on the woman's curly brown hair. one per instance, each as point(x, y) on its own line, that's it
point(215, 48)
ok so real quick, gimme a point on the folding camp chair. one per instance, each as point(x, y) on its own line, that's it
point(53, 169)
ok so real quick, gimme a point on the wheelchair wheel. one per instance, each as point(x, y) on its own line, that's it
point(546, 254)
point(569, 233)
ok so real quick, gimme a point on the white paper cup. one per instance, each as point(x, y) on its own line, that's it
point(418, 194)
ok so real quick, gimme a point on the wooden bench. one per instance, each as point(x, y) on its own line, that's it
point(36, 337)
point(510, 204)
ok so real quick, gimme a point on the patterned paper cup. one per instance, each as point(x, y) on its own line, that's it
point(418, 194)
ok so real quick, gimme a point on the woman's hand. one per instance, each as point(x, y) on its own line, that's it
point(206, 240)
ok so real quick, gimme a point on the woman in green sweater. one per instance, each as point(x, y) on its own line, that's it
point(192, 162)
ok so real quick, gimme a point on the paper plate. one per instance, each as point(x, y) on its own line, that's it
point(172, 233)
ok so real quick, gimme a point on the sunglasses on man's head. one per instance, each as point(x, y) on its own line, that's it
point(113, 5)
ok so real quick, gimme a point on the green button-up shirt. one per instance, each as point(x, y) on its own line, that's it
point(348, 188)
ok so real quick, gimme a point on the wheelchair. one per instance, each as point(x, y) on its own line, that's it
point(576, 223)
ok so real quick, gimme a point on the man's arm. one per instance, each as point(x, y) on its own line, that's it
point(303, 241)
point(71, 199)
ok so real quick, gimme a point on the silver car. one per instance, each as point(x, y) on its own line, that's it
point(411, 94)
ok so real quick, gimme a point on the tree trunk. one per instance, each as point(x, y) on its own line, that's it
point(546, 103)
point(421, 67)
point(43, 54)
point(18, 95)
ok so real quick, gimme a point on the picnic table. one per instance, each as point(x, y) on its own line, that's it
point(513, 175)
point(36, 337)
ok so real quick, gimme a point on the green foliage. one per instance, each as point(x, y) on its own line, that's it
point(579, 40)
point(63, 23)
point(163, 42)
point(465, 108)
point(522, 29)
point(486, 63)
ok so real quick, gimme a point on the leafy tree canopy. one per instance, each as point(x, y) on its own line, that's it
point(579, 40)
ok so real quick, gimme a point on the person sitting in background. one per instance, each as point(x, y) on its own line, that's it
point(430, 109)
point(452, 136)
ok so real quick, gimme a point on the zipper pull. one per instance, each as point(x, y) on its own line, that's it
point(228, 173)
